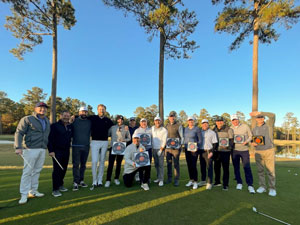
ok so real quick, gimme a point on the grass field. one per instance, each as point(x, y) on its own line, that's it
point(160, 205)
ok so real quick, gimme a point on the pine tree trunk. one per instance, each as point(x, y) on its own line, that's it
point(255, 69)
point(1, 124)
point(54, 68)
point(161, 76)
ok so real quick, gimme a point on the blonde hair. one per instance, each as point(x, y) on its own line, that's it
point(102, 106)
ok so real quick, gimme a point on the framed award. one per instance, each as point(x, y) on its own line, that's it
point(118, 148)
point(239, 139)
point(173, 143)
point(259, 140)
point(224, 142)
point(145, 139)
point(141, 159)
point(192, 146)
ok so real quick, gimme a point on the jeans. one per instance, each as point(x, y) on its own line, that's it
point(244, 155)
point(79, 158)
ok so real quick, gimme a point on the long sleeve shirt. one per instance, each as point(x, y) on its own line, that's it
point(119, 134)
point(192, 135)
point(129, 157)
point(60, 137)
point(209, 138)
point(244, 130)
point(146, 130)
point(159, 137)
point(100, 127)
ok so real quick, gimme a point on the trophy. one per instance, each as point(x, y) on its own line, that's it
point(224, 142)
point(173, 143)
point(141, 159)
point(145, 139)
point(259, 140)
point(239, 139)
point(192, 146)
point(118, 148)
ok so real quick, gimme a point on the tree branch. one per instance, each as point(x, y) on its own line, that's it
point(45, 14)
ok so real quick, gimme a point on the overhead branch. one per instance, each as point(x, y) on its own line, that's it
point(44, 13)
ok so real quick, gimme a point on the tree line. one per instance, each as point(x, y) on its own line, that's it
point(11, 112)
point(34, 19)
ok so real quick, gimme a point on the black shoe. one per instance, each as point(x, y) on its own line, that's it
point(176, 183)
point(82, 184)
point(217, 184)
point(75, 187)
point(169, 181)
point(99, 185)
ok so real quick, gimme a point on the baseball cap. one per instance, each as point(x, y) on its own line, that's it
point(157, 118)
point(119, 117)
point(135, 136)
point(219, 118)
point(204, 121)
point(143, 119)
point(132, 118)
point(172, 113)
point(234, 117)
point(41, 104)
point(191, 118)
point(83, 108)
point(260, 116)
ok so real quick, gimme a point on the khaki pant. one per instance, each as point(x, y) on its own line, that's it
point(266, 159)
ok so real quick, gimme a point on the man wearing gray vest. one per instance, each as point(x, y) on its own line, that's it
point(175, 130)
point(222, 155)
point(34, 130)
point(80, 147)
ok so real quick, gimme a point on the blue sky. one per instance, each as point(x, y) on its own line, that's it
point(107, 59)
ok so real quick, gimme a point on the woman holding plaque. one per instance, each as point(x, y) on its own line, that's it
point(119, 134)
point(192, 139)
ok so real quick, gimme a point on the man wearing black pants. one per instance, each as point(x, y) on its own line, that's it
point(80, 147)
point(130, 168)
point(59, 147)
point(222, 156)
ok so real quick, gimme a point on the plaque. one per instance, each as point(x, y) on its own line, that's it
point(192, 146)
point(145, 139)
point(259, 140)
point(141, 159)
point(173, 143)
point(223, 142)
point(239, 139)
point(118, 148)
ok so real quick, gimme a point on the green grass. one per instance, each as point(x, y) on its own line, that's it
point(7, 137)
point(160, 205)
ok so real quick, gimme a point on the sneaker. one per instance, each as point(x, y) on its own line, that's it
point(169, 181)
point(145, 186)
point(176, 183)
point(99, 184)
point(261, 190)
point(202, 183)
point(251, 190)
point(35, 194)
point(23, 199)
point(82, 184)
point(208, 186)
point(225, 188)
point(117, 182)
point(107, 184)
point(63, 189)
point(156, 181)
point(272, 192)
point(93, 187)
point(161, 183)
point(75, 187)
point(217, 184)
point(190, 183)
point(56, 193)
point(195, 185)
point(239, 186)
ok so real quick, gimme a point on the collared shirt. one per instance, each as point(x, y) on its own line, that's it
point(159, 137)
point(209, 138)
point(42, 121)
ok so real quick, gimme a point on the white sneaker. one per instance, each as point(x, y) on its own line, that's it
point(156, 181)
point(208, 186)
point(107, 184)
point(23, 199)
point(145, 187)
point(117, 182)
point(195, 185)
point(251, 190)
point(272, 192)
point(202, 183)
point(261, 190)
point(33, 194)
point(161, 183)
point(190, 183)
point(239, 186)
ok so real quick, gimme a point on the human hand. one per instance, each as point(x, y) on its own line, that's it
point(19, 151)
point(209, 155)
point(126, 128)
point(52, 154)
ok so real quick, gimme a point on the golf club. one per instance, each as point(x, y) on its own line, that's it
point(26, 162)
point(58, 162)
point(255, 210)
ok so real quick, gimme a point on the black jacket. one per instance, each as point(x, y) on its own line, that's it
point(59, 137)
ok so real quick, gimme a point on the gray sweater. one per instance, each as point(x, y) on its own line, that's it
point(30, 133)
point(119, 134)
point(129, 157)
point(244, 130)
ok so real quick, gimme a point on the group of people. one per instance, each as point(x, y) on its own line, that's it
point(138, 145)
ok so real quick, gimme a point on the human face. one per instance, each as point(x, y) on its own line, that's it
point(143, 124)
point(191, 123)
point(120, 121)
point(235, 122)
point(65, 117)
point(260, 121)
point(157, 123)
point(204, 126)
point(83, 113)
point(101, 110)
point(220, 124)
point(171, 119)
point(136, 141)
point(41, 111)
point(132, 123)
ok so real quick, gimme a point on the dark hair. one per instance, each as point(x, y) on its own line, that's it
point(101, 105)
